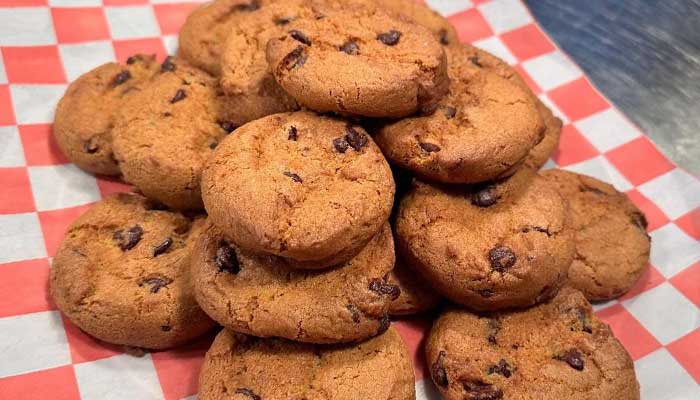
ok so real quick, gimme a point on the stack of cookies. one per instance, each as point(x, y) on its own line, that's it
point(278, 159)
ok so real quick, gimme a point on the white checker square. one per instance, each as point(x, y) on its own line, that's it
point(62, 186)
point(672, 250)
point(82, 57)
point(11, 151)
point(21, 238)
point(599, 167)
point(449, 7)
point(32, 342)
point(505, 15)
point(30, 26)
point(3, 74)
point(75, 3)
point(132, 22)
point(495, 46)
point(555, 110)
point(676, 192)
point(119, 377)
point(550, 164)
point(664, 312)
point(551, 70)
point(178, 1)
point(662, 378)
point(425, 390)
point(170, 43)
point(607, 129)
point(35, 104)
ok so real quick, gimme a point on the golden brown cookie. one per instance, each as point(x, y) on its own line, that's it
point(85, 115)
point(612, 245)
point(494, 246)
point(262, 296)
point(415, 295)
point(309, 188)
point(247, 368)
point(121, 274)
point(165, 132)
point(555, 350)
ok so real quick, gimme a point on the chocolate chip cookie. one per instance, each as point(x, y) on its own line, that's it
point(419, 13)
point(85, 115)
point(612, 245)
point(359, 61)
point(309, 188)
point(248, 368)
point(121, 274)
point(165, 132)
point(492, 246)
point(482, 130)
point(415, 296)
point(556, 350)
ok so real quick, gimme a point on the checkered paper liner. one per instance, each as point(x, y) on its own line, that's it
point(47, 43)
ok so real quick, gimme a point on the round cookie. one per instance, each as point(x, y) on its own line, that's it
point(85, 115)
point(416, 294)
point(260, 295)
point(309, 188)
point(121, 274)
point(247, 368)
point(204, 32)
point(421, 14)
point(482, 130)
point(612, 245)
point(502, 245)
point(165, 132)
point(555, 350)
point(359, 60)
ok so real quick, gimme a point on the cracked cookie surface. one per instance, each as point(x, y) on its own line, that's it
point(555, 350)
point(612, 245)
point(121, 274)
point(493, 246)
point(247, 368)
point(309, 188)
point(260, 295)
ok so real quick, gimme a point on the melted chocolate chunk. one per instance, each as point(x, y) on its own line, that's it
point(165, 328)
point(292, 133)
point(355, 139)
point(384, 289)
point(121, 78)
point(355, 313)
point(300, 37)
point(350, 47)
point(502, 368)
point(252, 6)
point(449, 111)
point(384, 324)
point(484, 198)
point(486, 293)
point(129, 239)
point(477, 390)
point(295, 58)
point(437, 370)
point(156, 283)
point(228, 126)
point(133, 59)
point(390, 38)
point(572, 357)
point(296, 178)
point(429, 147)
point(475, 61)
point(162, 247)
point(283, 21)
point(213, 145)
point(537, 229)
point(248, 393)
point(226, 259)
point(502, 258)
point(583, 319)
point(443, 37)
point(493, 326)
point(179, 95)
point(168, 65)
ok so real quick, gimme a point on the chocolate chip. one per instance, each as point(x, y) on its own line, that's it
point(292, 133)
point(502, 258)
point(179, 95)
point(355, 313)
point(449, 111)
point(165, 328)
point(296, 178)
point(478, 390)
point(132, 59)
point(640, 220)
point(168, 65)
point(350, 47)
point(340, 144)
point(129, 239)
point(493, 326)
point(355, 139)
point(486, 293)
point(536, 229)
point(226, 259)
point(247, 392)
point(299, 37)
point(283, 21)
point(475, 61)
point(443, 37)
point(90, 146)
point(252, 6)
point(156, 283)
point(437, 370)
point(163, 247)
point(583, 319)
point(296, 58)
point(213, 145)
point(429, 147)
point(384, 289)
point(390, 38)
point(483, 198)
point(167, 114)
point(228, 126)
point(502, 368)
point(384, 324)
point(121, 78)
point(572, 357)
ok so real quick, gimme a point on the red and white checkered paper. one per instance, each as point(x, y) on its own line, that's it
point(47, 43)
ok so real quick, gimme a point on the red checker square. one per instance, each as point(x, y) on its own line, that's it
point(55, 383)
point(40, 147)
point(84, 347)
point(37, 64)
point(690, 223)
point(688, 283)
point(17, 194)
point(75, 25)
point(7, 112)
point(527, 42)
point(123, 2)
point(685, 351)
point(528, 79)
point(178, 369)
point(650, 279)
point(23, 3)
point(477, 2)
point(123, 49)
point(655, 217)
point(639, 160)
point(54, 225)
point(171, 16)
point(109, 185)
point(470, 25)
point(573, 147)
point(633, 336)
point(413, 331)
point(578, 99)
point(24, 287)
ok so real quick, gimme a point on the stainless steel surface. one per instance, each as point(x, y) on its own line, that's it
point(644, 56)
